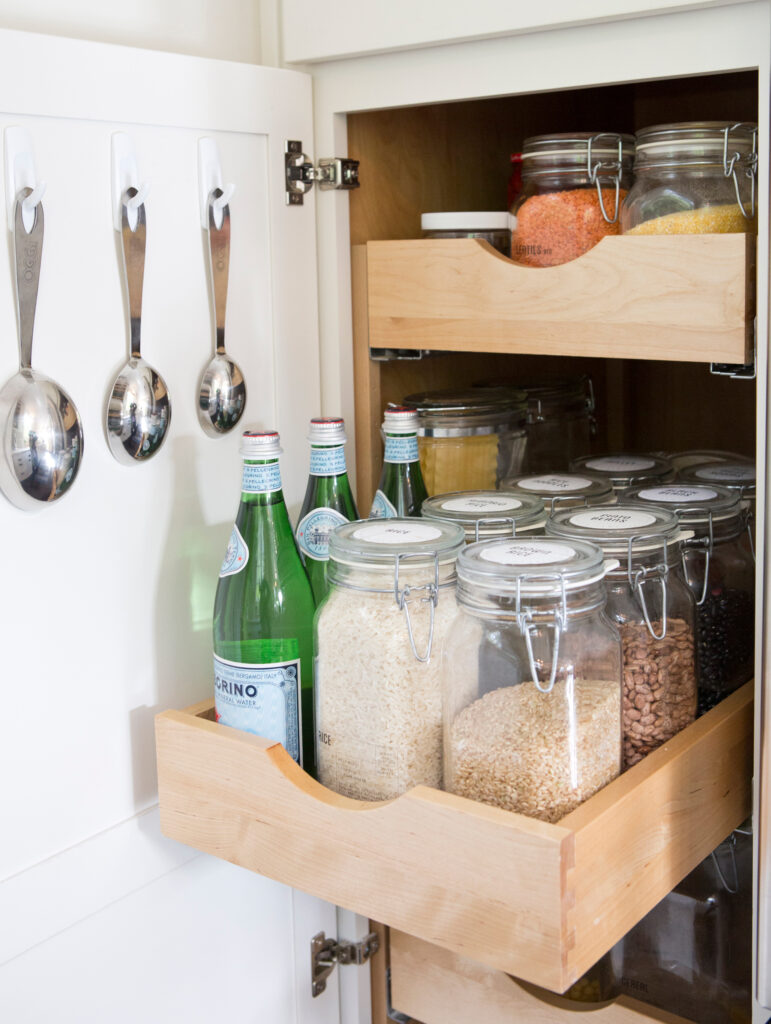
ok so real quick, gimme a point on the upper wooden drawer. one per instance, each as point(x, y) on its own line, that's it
point(542, 902)
point(680, 297)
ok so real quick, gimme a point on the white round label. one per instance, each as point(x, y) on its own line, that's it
point(481, 504)
point(726, 471)
point(397, 533)
point(603, 519)
point(620, 463)
point(538, 553)
point(678, 494)
point(555, 484)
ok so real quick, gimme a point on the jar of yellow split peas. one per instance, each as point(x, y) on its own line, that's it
point(698, 177)
point(470, 439)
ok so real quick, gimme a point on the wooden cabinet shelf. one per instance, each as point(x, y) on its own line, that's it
point(683, 298)
point(542, 902)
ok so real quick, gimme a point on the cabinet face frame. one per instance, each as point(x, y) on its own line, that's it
point(714, 40)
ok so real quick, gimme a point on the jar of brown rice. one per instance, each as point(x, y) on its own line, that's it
point(378, 637)
point(532, 681)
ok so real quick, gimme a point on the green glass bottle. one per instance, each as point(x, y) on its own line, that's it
point(328, 500)
point(401, 490)
point(263, 614)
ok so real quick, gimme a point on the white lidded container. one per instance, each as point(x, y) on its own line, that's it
point(378, 637)
point(491, 226)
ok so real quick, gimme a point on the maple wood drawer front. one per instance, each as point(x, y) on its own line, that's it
point(670, 297)
point(542, 902)
point(436, 986)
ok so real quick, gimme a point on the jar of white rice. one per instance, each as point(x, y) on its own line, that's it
point(532, 677)
point(379, 633)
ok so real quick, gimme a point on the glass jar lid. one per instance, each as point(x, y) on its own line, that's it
point(698, 456)
point(547, 397)
point(460, 411)
point(736, 476)
point(694, 142)
point(377, 544)
point(562, 489)
point(624, 469)
point(484, 514)
point(693, 504)
point(570, 150)
point(624, 530)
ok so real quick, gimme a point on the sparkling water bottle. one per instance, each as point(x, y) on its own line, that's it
point(328, 500)
point(263, 614)
point(401, 489)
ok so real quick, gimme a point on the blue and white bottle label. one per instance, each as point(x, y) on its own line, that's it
point(263, 699)
point(382, 507)
point(327, 461)
point(313, 532)
point(401, 449)
point(262, 478)
point(236, 556)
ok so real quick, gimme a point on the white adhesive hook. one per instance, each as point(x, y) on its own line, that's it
point(209, 178)
point(125, 176)
point(20, 174)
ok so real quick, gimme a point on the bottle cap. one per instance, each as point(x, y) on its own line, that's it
point(260, 444)
point(327, 430)
point(398, 419)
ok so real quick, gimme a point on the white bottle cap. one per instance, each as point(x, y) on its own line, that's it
point(401, 420)
point(260, 444)
point(327, 430)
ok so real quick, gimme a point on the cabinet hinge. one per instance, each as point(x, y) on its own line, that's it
point(326, 953)
point(740, 371)
point(302, 175)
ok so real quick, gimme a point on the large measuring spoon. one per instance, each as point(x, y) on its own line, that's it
point(222, 391)
point(138, 409)
point(42, 432)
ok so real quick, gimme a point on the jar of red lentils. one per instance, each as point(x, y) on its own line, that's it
point(572, 189)
point(698, 177)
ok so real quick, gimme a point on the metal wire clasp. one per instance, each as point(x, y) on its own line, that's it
point(493, 521)
point(707, 543)
point(639, 577)
point(750, 162)
point(608, 169)
point(402, 596)
point(525, 623)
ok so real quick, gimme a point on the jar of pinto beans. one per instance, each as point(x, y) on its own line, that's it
point(572, 189)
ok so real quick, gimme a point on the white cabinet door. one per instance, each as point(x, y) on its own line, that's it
point(107, 594)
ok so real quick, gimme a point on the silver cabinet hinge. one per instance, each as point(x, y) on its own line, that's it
point(301, 175)
point(740, 371)
point(326, 953)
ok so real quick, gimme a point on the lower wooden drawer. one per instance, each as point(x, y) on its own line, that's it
point(434, 986)
point(542, 902)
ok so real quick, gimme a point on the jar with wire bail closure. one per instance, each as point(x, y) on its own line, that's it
point(532, 677)
point(378, 636)
point(486, 514)
point(626, 469)
point(564, 490)
point(719, 568)
point(655, 613)
point(572, 188)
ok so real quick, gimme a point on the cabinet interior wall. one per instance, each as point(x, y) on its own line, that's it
point(456, 156)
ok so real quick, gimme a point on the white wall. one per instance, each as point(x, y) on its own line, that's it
point(225, 29)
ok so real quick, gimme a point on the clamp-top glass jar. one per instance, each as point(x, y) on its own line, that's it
point(737, 476)
point(720, 570)
point(378, 634)
point(564, 490)
point(470, 438)
point(624, 470)
point(698, 177)
point(487, 514)
point(654, 611)
point(572, 188)
point(532, 678)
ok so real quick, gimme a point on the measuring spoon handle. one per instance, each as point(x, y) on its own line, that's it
point(219, 262)
point(28, 248)
point(133, 242)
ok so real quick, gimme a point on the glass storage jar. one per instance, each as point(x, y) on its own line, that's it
point(532, 678)
point(560, 420)
point(720, 570)
point(468, 438)
point(493, 227)
point(572, 188)
point(378, 632)
point(698, 177)
point(737, 475)
point(625, 469)
point(486, 514)
point(564, 490)
point(654, 611)
point(700, 456)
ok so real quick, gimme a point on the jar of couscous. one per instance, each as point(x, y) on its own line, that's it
point(572, 188)
point(487, 514)
point(470, 438)
point(698, 177)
